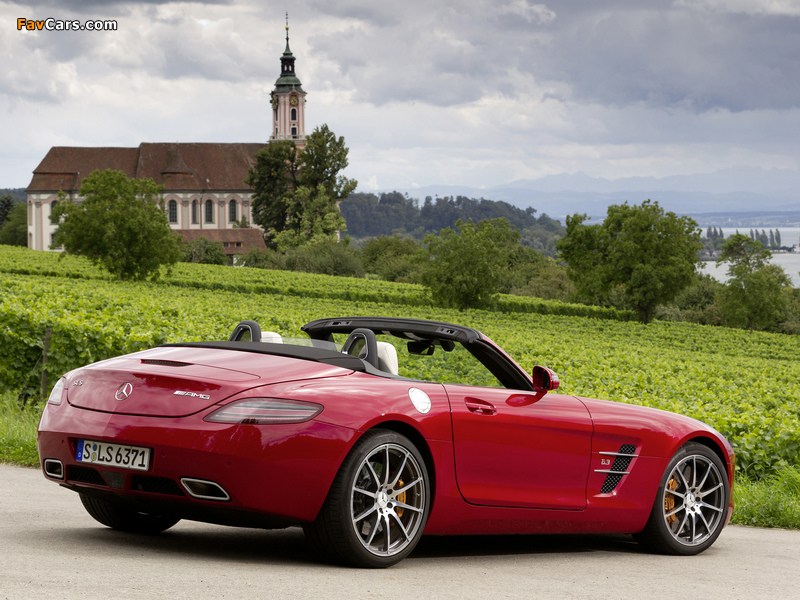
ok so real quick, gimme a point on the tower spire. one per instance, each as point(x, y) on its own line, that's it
point(288, 100)
point(287, 51)
point(288, 78)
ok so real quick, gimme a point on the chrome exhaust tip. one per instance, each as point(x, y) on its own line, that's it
point(53, 468)
point(204, 490)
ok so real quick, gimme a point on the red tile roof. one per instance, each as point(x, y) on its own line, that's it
point(249, 237)
point(178, 167)
point(64, 168)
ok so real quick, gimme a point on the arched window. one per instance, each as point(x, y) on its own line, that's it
point(294, 114)
point(232, 216)
point(209, 211)
point(194, 212)
point(173, 211)
point(294, 132)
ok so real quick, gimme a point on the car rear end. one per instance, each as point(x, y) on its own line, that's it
point(193, 433)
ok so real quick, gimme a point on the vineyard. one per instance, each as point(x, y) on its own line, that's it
point(21, 261)
point(745, 385)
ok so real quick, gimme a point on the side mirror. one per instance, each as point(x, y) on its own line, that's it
point(544, 379)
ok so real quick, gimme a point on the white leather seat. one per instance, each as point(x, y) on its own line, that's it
point(387, 358)
point(270, 337)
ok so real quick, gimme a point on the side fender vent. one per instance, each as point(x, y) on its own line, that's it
point(618, 470)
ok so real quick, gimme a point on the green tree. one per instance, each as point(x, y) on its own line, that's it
point(755, 295)
point(326, 256)
point(641, 253)
point(273, 178)
point(393, 258)
point(314, 218)
point(540, 276)
point(6, 206)
point(263, 259)
point(14, 232)
point(204, 251)
point(119, 224)
point(467, 266)
point(323, 159)
point(698, 302)
point(323, 256)
point(286, 181)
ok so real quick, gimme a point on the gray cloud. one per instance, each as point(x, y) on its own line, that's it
point(678, 57)
point(173, 44)
point(81, 6)
point(444, 54)
point(381, 14)
point(688, 55)
point(484, 91)
point(666, 54)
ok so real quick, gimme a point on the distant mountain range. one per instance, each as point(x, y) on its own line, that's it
point(756, 192)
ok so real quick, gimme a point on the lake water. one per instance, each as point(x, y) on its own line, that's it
point(790, 261)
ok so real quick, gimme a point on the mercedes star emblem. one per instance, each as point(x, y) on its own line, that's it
point(123, 391)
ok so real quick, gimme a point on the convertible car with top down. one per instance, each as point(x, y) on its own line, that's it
point(371, 433)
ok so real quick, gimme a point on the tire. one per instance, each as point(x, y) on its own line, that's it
point(124, 519)
point(691, 504)
point(373, 516)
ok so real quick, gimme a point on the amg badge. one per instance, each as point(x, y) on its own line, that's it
point(192, 395)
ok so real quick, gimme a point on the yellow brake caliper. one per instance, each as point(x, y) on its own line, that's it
point(669, 500)
point(402, 499)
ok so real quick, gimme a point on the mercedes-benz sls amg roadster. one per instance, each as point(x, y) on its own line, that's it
point(371, 433)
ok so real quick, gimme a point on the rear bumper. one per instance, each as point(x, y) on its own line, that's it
point(271, 473)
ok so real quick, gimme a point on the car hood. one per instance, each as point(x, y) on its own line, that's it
point(175, 382)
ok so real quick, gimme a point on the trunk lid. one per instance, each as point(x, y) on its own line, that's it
point(176, 382)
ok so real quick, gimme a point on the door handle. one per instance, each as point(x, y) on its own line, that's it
point(479, 407)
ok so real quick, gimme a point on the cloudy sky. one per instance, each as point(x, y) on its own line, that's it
point(467, 92)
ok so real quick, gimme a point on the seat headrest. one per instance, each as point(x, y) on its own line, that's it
point(387, 358)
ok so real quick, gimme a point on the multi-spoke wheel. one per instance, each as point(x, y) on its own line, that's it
point(691, 505)
point(378, 505)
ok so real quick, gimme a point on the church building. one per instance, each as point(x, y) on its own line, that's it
point(204, 187)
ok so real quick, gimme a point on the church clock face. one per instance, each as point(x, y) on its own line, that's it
point(274, 102)
point(293, 100)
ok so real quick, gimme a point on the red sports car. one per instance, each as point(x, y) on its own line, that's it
point(409, 427)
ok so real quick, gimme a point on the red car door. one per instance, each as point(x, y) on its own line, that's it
point(520, 449)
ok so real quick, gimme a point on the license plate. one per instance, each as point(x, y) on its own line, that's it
point(114, 455)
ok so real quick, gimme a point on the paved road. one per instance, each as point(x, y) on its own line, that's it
point(51, 548)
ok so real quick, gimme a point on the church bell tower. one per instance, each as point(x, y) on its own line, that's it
point(288, 101)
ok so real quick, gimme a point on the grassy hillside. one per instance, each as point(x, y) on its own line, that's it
point(745, 385)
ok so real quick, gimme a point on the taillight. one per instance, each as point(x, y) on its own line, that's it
point(58, 392)
point(264, 411)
